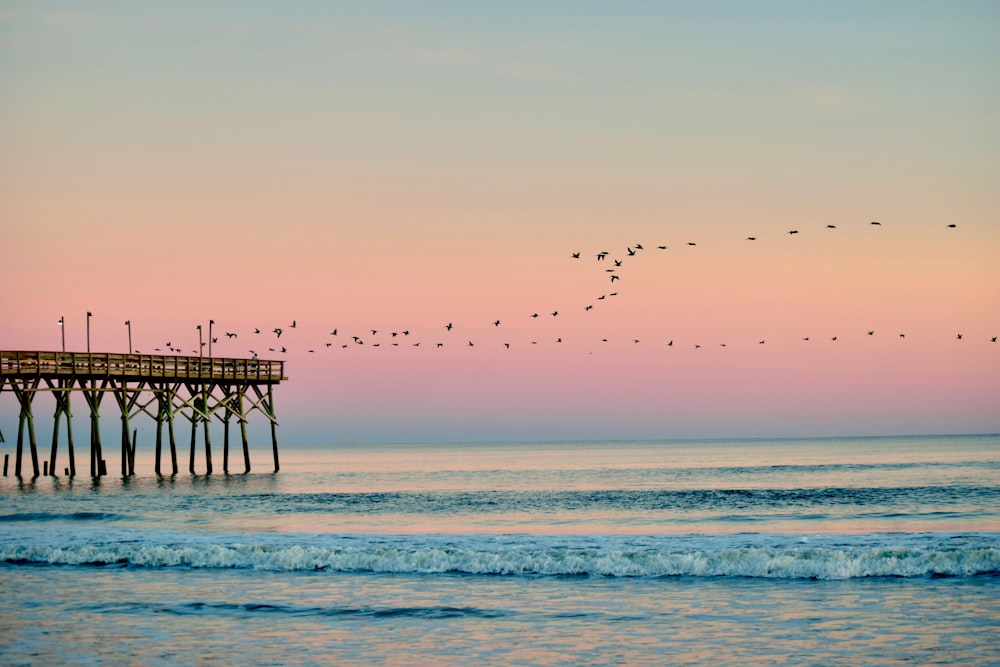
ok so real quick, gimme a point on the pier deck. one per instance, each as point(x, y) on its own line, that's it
point(160, 386)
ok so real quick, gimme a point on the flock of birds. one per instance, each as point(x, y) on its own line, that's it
point(450, 332)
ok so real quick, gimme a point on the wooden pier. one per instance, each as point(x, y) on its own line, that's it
point(159, 386)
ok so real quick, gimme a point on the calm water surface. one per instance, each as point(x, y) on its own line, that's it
point(834, 551)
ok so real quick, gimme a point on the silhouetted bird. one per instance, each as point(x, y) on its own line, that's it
point(614, 278)
point(292, 325)
point(959, 337)
point(534, 315)
point(230, 335)
point(576, 255)
point(952, 226)
point(507, 345)
point(874, 222)
point(638, 246)
point(751, 238)
point(496, 323)
point(662, 247)
point(670, 344)
point(278, 331)
point(993, 340)
point(448, 326)
point(256, 330)
point(794, 231)
point(871, 333)
point(333, 333)
point(692, 244)
point(601, 256)
point(554, 313)
point(831, 226)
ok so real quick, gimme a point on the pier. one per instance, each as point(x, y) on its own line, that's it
point(163, 387)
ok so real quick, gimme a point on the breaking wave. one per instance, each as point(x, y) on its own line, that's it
point(795, 561)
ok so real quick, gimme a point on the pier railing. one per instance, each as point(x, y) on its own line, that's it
point(138, 367)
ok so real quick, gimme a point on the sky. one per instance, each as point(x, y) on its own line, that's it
point(398, 167)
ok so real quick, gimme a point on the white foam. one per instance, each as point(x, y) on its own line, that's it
point(795, 561)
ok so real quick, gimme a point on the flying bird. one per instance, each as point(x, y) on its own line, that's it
point(751, 238)
point(496, 323)
point(952, 226)
point(576, 255)
point(831, 226)
point(230, 335)
point(692, 244)
point(875, 222)
point(448, 326)
point(794, 231)
point(292, 325)
point(277, 331)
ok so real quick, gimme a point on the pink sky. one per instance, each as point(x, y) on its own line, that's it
point(381, 170)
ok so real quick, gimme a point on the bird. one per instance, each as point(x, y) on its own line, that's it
point(831, 226)
point(283, 349)
point(751, 238)
point(958, 337)
point(374, 332)
point(794, 231)
point(614, 278)
point(993, 340)
point(554, 313)
point(292, 325)
point(448, 326)
point(230, 335)
point(692, 244)
point(871, 333)
point(697, 346)
point(278, 331)
point(760, 342)
point(440, 344)
point(618, 262)
point(631, 253)
point(834, 338)
point(670, 344)
point(877, 223)
point(333, 333)
point(638, 246)
point(470, 343)
point(587, 307)
point(215, 339)
point(168, 344)
point(534, 314)
point(902, 335)
point(952, 226)
point(576, 255)
point(601, 256)
point(256, 331)
point(635, 340)
point(496, 323)
point(662, 247)
point(806, 338)
point(329, 344)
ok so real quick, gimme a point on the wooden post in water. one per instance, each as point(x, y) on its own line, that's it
point(243, 431)
point(274, 426)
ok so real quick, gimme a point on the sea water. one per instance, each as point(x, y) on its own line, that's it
point(811, 551)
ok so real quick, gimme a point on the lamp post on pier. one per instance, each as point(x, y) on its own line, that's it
point(89, 315)
point(200, 343)
point(128, 323)
point(62, 328)
point(210, 323)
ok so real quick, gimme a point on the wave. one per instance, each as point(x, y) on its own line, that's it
point(800, 561)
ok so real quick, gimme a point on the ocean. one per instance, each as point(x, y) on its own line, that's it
point(834, 551)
